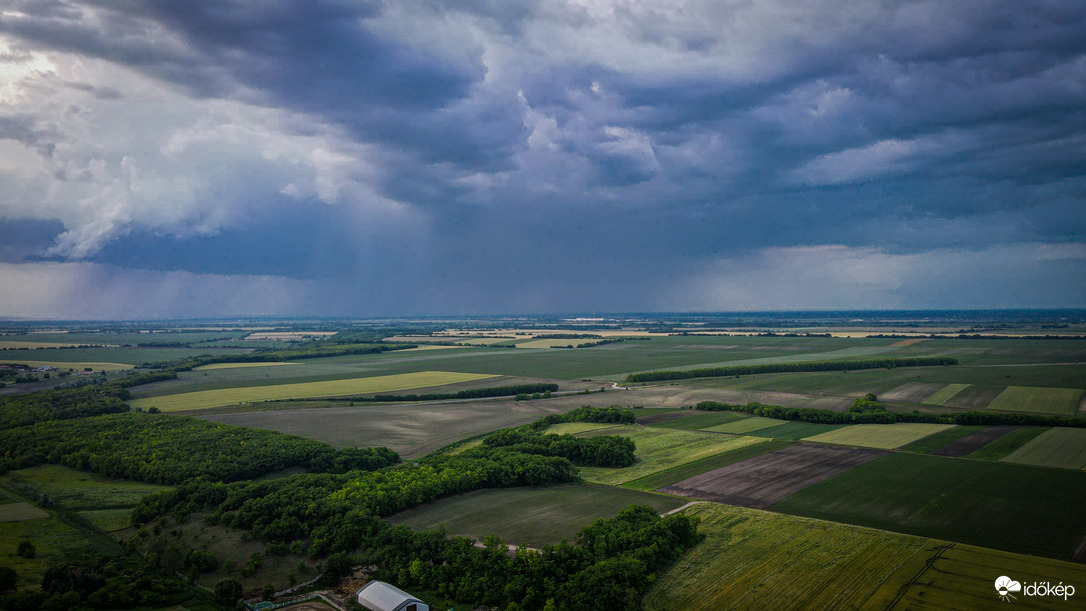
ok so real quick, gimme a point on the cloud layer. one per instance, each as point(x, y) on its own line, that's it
point(549, 155)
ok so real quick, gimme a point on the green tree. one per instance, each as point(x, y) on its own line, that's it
point(26, 549)
point(8, 578)
point(268, 592)
point(228, 591)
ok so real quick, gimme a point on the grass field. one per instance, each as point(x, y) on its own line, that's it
point(796, 430)
point(946, 394)
point(530, 516)
point(660, 449)
point(19, 511)
point(1056, 447)
point(231, 396)
point(1008, 443)
point(214, 366)
point(1058, 401)
point(998, 505)
point(55, 541)
point(746, 425)
point(883, 436)
point(940, 439)
point(755, 559)
point(697, 467)
point(79, 490)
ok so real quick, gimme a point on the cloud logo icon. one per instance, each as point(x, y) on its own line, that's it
point(1005, 585)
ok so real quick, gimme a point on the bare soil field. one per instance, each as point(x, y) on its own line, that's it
point(412, 430)
point(973, 441)
point(761, 481)
point(913, 392)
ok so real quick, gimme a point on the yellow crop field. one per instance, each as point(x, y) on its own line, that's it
point(883, 436)
point(239, 365)
point(550, 343)
point(305, 390)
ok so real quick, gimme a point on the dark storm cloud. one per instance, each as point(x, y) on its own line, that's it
point(550, 145)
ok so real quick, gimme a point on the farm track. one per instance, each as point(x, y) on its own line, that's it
point(763, 480)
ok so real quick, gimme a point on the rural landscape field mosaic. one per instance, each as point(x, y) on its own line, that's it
point(826, 467)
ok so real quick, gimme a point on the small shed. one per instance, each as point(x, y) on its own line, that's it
point(381, 596)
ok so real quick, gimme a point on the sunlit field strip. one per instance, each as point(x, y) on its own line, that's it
point(306, 390)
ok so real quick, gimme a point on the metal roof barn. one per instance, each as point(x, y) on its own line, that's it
point(381, 596)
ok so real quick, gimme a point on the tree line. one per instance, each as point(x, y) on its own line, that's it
point(716, 372)
point(862, 413)
point(470, 393)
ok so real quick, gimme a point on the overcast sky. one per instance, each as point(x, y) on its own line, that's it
point(218, 157)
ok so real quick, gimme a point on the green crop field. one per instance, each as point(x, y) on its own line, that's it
point(940, 439)
point(957, 576)
point(1058, 401)
point(755, 559)
point(1011, 507)
point(697, 467)
point(883, 436)
point(109, 520)
point(796, 430)
point(660, 449)
point(530, 516)
point(746, 425)
point(1056, 447)
point(946, 394)
point(1008, 443)
point(231, 396)
point(701, 421)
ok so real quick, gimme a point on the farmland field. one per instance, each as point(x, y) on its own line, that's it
point(411, 430)
point(697, 421)
point(958, 576)
point(660, 449)
point(884, 436)
point(1056, 447)
point(796, 430)
point(697, 467)
point(768, 478)
point(968, 444)
point(940, 439)
point(1058, 401)
point(215, 366)
point(999, 505)
point(530, 516)
point(572, 428)
point(231, 396)
point(1007, 443)
point(754, 559)
point(745, 425)
point(946, 394)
